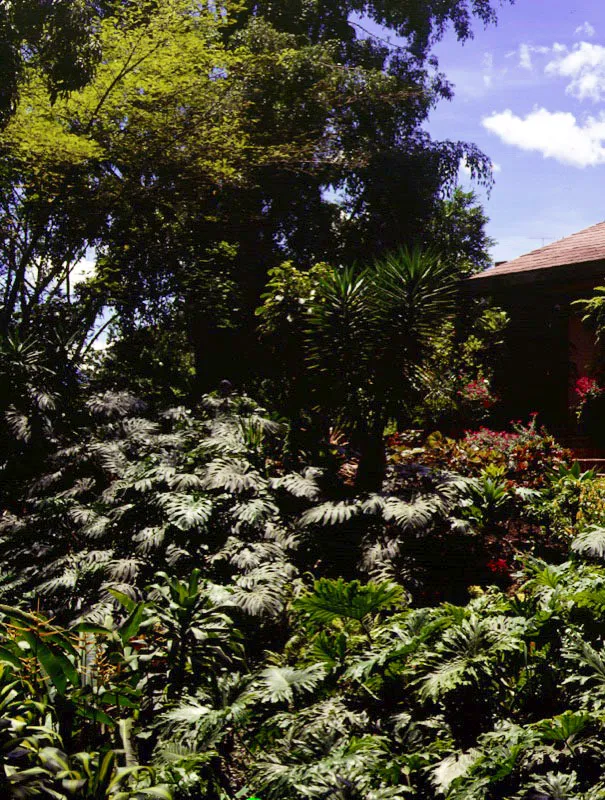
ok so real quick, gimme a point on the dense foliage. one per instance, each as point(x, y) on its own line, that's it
point(314, 595)
point(208, 624)
point(200, 150)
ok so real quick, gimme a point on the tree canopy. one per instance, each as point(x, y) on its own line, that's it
point(57, 38)
point(206, 147)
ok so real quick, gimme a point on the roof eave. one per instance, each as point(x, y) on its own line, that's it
point(491, 281)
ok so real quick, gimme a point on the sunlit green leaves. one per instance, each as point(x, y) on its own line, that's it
point(337, 599)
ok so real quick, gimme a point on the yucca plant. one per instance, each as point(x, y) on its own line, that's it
point(369, 334)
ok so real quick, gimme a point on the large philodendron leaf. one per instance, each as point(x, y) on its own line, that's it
point(185, 511)
point(331, 513)
point(590, 542)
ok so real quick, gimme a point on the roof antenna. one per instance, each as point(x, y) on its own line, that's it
point(543, 238)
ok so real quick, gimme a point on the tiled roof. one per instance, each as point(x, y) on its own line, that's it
point(584, 246)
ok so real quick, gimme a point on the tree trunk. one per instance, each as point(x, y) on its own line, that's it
point(372, 460)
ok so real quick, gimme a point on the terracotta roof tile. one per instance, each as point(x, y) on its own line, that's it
point(581, 247)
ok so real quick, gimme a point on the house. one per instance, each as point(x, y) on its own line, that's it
point(547, 346)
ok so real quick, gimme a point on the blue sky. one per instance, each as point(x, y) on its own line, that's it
point(530, 92)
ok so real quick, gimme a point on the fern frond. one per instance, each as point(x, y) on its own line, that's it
point(334, 599)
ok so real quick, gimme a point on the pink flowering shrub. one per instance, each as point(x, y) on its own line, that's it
point(488, 439)
point(526, 455)
point(478, 392)
point(587, 390)
point(475, 400)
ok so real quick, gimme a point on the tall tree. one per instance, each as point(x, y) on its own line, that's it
point(209, 146)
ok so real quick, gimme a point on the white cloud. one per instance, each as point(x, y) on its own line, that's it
point(496, 167)
point(469, 83)
point(556, 135)
point(525, 54)
point(584, 66)
point(585, 29)
point(525, 57)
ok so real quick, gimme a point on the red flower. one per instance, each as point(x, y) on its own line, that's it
point(587, 387)
point(478, 390)
point(498, 566)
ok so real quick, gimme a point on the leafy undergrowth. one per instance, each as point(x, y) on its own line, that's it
point(182, 617)
point(130, 495)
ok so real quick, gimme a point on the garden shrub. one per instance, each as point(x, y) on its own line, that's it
point(591, 503)
point(368, 697)
point(293, 642)
point(527, 453)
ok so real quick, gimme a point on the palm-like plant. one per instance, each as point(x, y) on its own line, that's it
point(369, 336)
point(336, 599)
point(199, 635)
